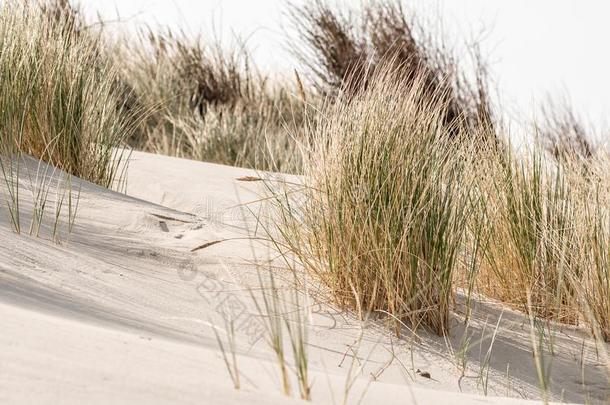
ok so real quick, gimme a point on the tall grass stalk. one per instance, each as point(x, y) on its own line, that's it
point(297, 323)
point(230, 362)
point(10, 166)
point(273, 316)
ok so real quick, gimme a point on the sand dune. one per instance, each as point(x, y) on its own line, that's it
point(122, 311)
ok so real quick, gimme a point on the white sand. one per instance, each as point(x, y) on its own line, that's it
point(122, 312)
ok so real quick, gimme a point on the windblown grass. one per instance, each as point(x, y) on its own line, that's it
point(407, 188)
point(383, 210)
point(563, 134)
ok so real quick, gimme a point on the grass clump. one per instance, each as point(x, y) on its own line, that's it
point(545, 236)
point(209, 103)
point(534, 237)
point(343, 49)
point(384, 208)
point(594, 287)
point(60, 111)
point(58, 101)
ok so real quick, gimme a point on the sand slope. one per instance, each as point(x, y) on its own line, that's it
point(122, 311)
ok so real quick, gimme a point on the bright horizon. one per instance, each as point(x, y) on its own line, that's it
point(535, 50)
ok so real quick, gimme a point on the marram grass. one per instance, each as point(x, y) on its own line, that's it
point(58, 101)
point(385, 205)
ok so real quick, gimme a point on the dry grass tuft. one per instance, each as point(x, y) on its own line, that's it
point(209, 103)
point(545, 235)
point(343, 50)
point(383, 212)
point(531, 237)
point(393, 214)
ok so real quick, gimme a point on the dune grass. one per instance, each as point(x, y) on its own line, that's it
point(395, 214)
point(210, 103)
point(342, 48)
point(58, 101)
point(58, 104)
point(593, 287)
point(408, 195)
point(384, 208)
point(595, 290)
point(543, 223)
point(533, 237)
point(408, 190)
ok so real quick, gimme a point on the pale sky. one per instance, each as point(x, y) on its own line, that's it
point(535, 47)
